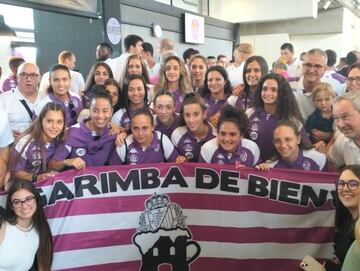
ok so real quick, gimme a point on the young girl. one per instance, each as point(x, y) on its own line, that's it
point(25, 234)
point(293, 152)
point(255, 68)
point(198, 67)
point(114, 90)
point(230, 146)
point(99, 72)
point(136, 65)
point(134, 96)
point(194, 131)
point(320, 123)
point(273, 101)
point(145, 145)
point(216, 91)
point(34, 149)
point(175, 78)
point(165, 120)
point(58, 92)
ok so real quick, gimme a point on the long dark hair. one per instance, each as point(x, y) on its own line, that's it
point(35, 132)
point(144, 70)
point(287, 108)
point(344, 222)
point(90, 81)
point(54, 68)
point(227, 88)
point(124, 93)
point(44, 255)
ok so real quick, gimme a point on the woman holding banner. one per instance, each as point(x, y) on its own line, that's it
point(292, 151)
point(25, 234)
point(145, 145)
point(230, 146)
point(36, 146)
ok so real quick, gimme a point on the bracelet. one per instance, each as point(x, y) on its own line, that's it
point(34, 177)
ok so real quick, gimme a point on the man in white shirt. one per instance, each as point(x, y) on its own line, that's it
point(345, 149)
point(20, 102)
point(314, 68)
point(294, 64)
point(336, 80)
point(133, 45)
point(6, 138)
point(77, 84)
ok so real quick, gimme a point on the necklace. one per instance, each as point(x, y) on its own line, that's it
point(24, 229)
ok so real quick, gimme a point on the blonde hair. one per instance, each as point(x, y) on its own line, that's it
point(326, 87)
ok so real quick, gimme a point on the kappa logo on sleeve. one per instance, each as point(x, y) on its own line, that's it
point(163, 238)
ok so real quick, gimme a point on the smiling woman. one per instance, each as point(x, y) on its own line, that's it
point(33, 150)
point(24, 226)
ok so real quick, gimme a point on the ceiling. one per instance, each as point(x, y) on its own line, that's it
point(353, 5)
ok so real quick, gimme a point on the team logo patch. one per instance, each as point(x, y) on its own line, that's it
point(243, 156)
point(162, 236)
point(253, 135)
point(36, 163)
point(306, 165)
point(80, 152)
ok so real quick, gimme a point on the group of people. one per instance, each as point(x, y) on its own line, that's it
point(132, 110)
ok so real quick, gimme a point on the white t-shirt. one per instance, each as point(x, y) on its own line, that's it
point(6, 137)
point(236, 75)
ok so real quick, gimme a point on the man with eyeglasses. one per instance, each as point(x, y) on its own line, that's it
point(313, 68)
point(20, 102)
point(344, 149)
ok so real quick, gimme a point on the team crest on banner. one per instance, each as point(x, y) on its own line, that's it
point(162, 236)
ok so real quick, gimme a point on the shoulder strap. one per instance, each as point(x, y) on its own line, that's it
point(162, 146)
point(126, 152)
point(31, 114)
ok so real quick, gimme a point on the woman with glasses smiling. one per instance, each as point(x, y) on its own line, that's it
point(346, 214)
point(292, 151)
point(353, 78)
point(58, 92)
point(25, 234)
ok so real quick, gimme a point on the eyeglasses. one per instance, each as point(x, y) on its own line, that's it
point(352, 185)
point(24, 75)
point(316, 67)
point(71, 107)
point(16, 203)
point(350, 80)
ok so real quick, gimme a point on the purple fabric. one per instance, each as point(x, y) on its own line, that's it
point(214, 106)
point(167, 130)
point(70, 120)
point(9, 83)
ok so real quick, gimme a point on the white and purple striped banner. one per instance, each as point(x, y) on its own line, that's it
point(227, 219)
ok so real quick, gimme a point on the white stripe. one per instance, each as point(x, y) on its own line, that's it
point(125, 253)
point(130, 220)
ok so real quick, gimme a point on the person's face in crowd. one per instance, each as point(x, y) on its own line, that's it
point(164, 108)
point(229, 136)
point(137, 49)
point(24, 205)
point(52, 125)
point(194, 117)
point(287, 55)
point(314, 67)
point(239, 56)
point(198, 69)
point(286, 143)
point(134, 66)
point(102, 53)
point(216, 82)
point(353, 80)
point(28, 78)
point(114, 93)
point(222, 62)
point(323, 101)
point(70, 62)
point(60, 82)
point(347, 119)
point(349, 191)
point(142, 130)
point(211, 62)
point(270, 92)
point(172, 71)
point(101, 74)
point(253, 74)
point(100, 113)
point(136, 93)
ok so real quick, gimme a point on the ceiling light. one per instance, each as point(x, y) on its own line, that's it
point(327, 4)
